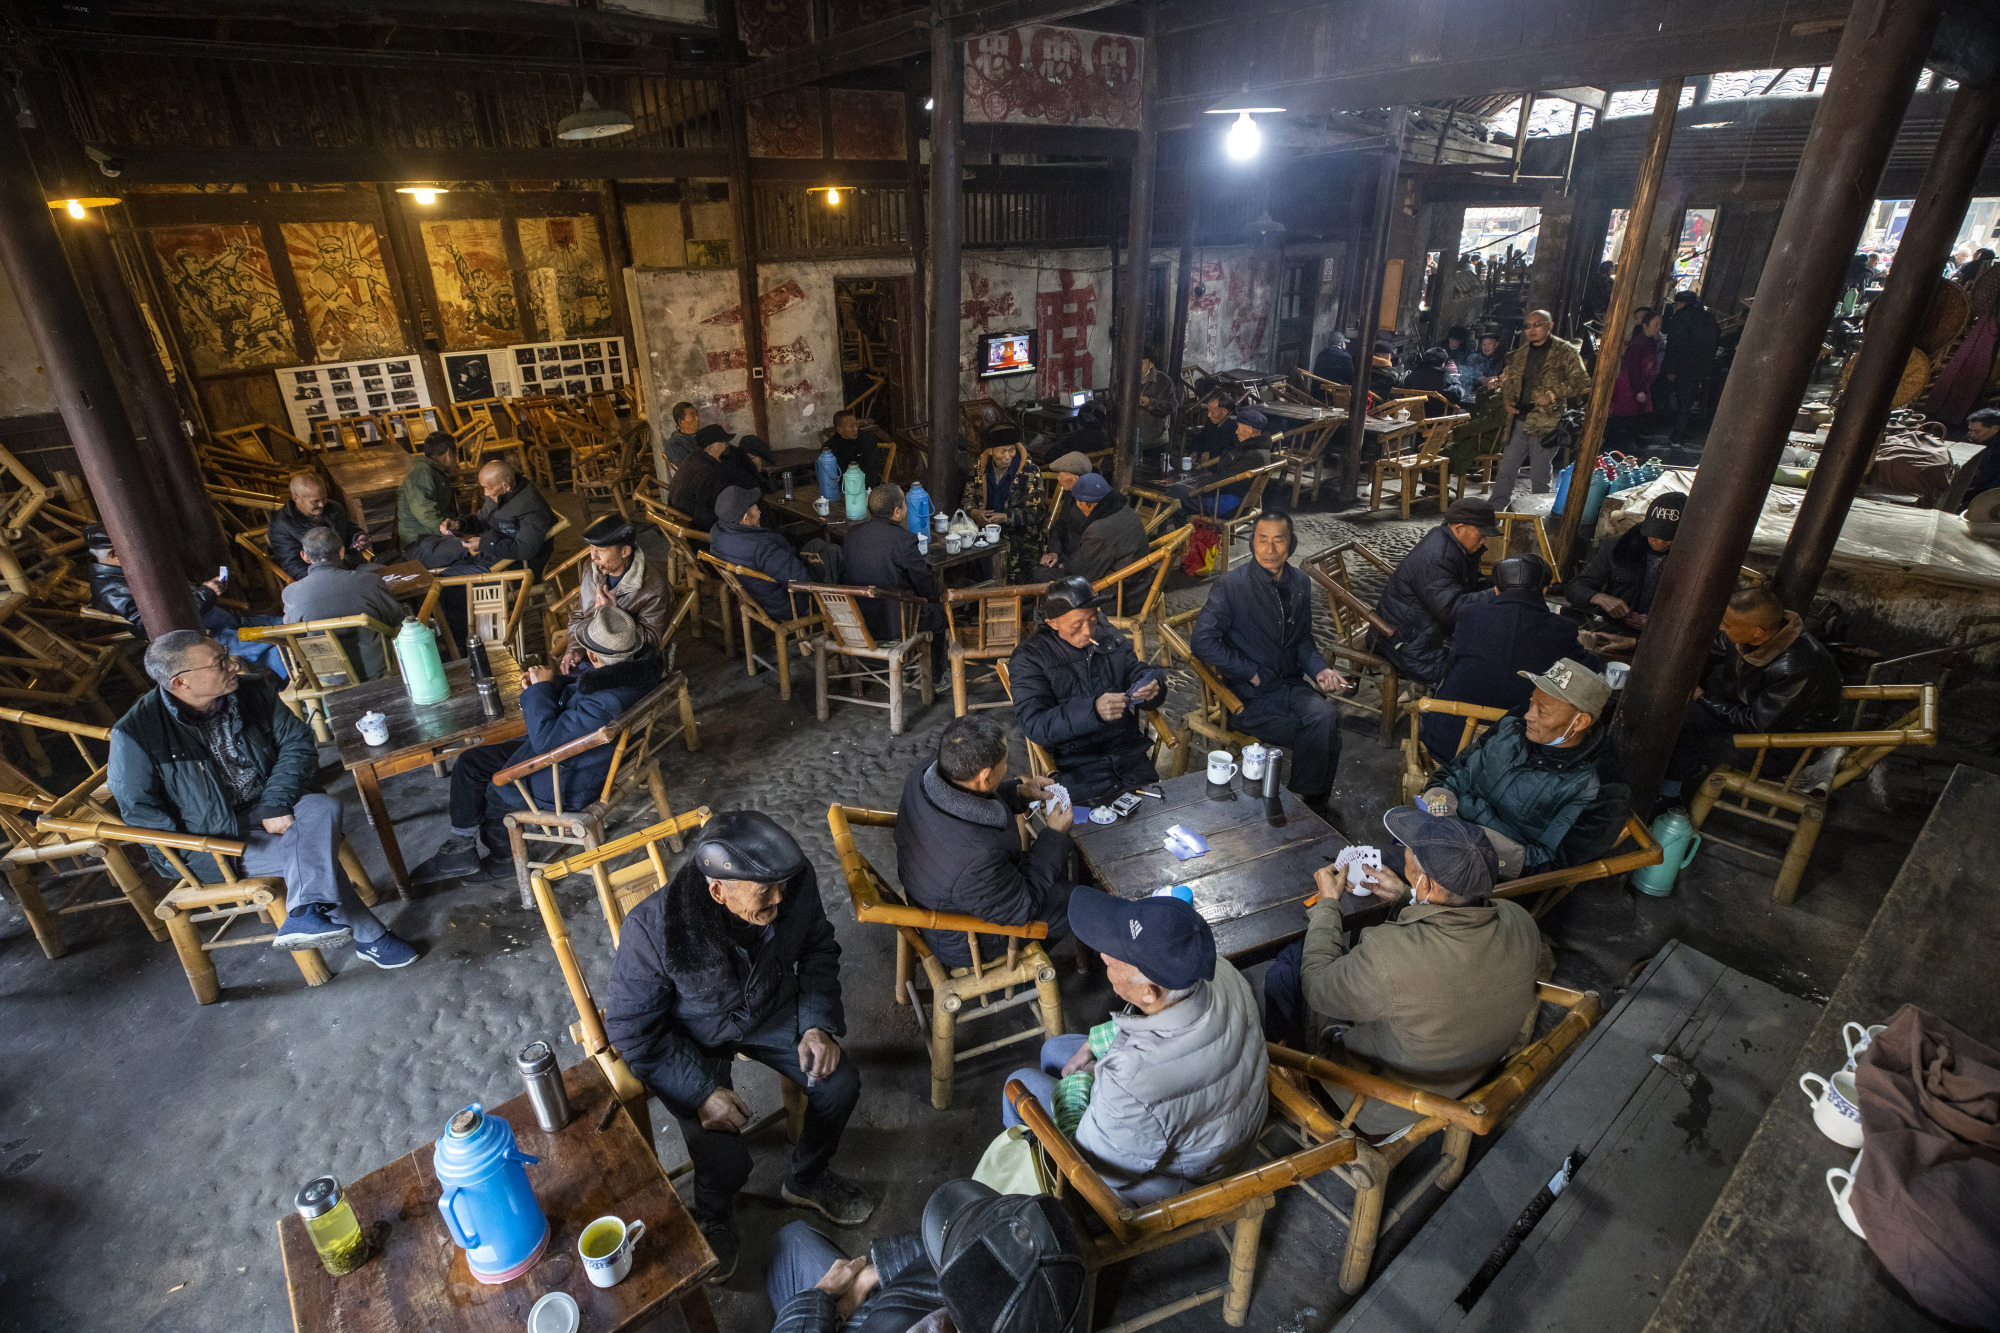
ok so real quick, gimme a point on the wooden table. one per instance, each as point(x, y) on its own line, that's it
point(420, 736)
point(369, 479)
point(800, 509)
point(408, 580)
point(417, 1278)
point(1251, 885)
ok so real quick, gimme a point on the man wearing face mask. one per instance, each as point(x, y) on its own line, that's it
point(735, 955)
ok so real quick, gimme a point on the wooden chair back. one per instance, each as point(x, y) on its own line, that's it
point(637, 737)
point(494, 605)
point(1001, 618)
point(1154, 509)
point(257, 541)
point(752, 612)
point(846, 627)
point(322, 657)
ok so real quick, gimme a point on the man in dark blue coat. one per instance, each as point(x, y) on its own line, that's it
point(1498, 638)
point(1422, 600)
point(1256, 631)
point(624, 668)
point(735, 956)
point(882, 553)
point(1073, 682)
point(739, 537)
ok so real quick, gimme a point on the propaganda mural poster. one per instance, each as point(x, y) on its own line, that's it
point(475, 288)
point(225, 298)
point(345, 289)
point(1048, 75)
point(567, 278)
point(868, 126)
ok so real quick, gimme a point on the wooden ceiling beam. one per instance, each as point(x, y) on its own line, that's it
point(523, 17)
point(200, 166)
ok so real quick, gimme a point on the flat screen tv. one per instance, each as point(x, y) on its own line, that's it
point(1006, 354)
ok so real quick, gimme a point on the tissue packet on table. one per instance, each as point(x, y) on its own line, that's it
point(1184, 843)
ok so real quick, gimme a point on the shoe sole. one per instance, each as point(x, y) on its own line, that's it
point(325, 940)
point(721, 1275)
point(801, 1201)
point(388, 967)
point(422, 878)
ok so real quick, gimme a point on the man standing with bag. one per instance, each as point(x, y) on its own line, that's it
point(1542, 375)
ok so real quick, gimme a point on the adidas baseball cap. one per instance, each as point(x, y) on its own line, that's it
point(1164, 938)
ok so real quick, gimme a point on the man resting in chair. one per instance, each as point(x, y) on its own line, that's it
point(513, 524)
point(1113, 537)
point(330, 590)
point(619, 574)
point(957, 849)
point(215, 754)
point(882, 553)
point(1422, 600)
point(624, 667)
point(1078, 691)
point(740, 538)
point(1256, 630)
point(1178, 1093)
point(1431, 998)
point(1537, 782)
point(735, 955)
point(309, 508)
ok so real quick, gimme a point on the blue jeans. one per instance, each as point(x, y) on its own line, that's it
point(1285, 1013)
point(222, 628)
point(1056, 1052)
point(800, 1257)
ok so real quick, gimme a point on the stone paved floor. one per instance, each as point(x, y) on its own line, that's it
point(147, 1143)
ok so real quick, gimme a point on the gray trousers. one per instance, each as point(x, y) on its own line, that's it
point(1535, 451)
point(308, 856)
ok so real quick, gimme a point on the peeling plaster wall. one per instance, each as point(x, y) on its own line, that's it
point(802, 342)
point(1232, 298)
point(24, 388)
point(1064, 294)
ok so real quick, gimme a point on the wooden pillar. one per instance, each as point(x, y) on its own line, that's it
point(744, 223)
point(87, 395)
point(1882, 48)
point(1183, 279)
point(1372, 266)
point(1663, 242)
point(1616, 323)
point(917, 386)
point(1893, 322)
point(1138, 258)
point(947, 240)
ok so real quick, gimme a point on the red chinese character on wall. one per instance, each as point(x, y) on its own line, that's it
point(1065, 318)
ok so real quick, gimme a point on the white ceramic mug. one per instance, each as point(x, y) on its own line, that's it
point(992, 533)
point(1221, 767)
point(1834, 1108)
point(1857, 1037)
point(1842, 1191)
point(609, 1268)
point(1253, 762)
point(822, 506)
point(1187, 462)
point(951, 543)
point(924, 544)
point(374, 728)
point(1615, 674)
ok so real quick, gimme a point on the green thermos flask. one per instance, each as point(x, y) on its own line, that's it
point(422, 668)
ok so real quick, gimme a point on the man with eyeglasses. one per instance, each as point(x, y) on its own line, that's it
point(1542, 375)
point(216, 754)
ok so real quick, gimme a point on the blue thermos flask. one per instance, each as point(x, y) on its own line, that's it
point(918, 519)
point(826, 471)
point(489, 1208)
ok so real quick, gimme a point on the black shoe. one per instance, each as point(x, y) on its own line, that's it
point(457, 859)
point(834, 1196)
point(721, 1238)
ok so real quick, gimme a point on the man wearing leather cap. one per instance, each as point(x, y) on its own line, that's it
point(1496, 639)
point(1078, 689)
point(618, 574)
point(985, 1262)
point(735, 955)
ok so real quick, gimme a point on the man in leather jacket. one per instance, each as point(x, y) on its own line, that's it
point(513, 524)
point(1766, 674)
point(1072, 681)
point(1422, 599)
point(309, 508)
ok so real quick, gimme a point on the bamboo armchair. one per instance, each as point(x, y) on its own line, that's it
point(1354, 621)
point(1154, 509)
point(1210, 719)
point(260, 442)
point(44, 667)
point(1481, 1111)
point(980, 416)
point(495, 604)
point(990, 984)
point(1739, 791)
point(560, 585)
point(798, 627)
point(1305, 454)
point(1001, 619)
point(904, 660)
point(1042, 764)
point(1238, 1201)
point(1166, 549)
point(687, 572)
point(1409, 469)
point(321, 657)
point(640, 735)
point(1537, 539)
point(1552, 885)
point(1244, 517)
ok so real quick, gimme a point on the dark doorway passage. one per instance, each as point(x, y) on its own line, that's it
point(874, 373)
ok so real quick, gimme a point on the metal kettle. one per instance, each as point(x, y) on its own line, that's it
point(488, 1205)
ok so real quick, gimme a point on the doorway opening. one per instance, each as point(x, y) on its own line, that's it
point(873, 328)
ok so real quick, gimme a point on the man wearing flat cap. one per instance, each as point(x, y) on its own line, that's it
point(1431, 998)
point(1177, 1088)
point(735, 956)
point(1620, 578)
point(619, 574)
point(1422, 600)
point(740, 537)
point(1067, 522)
point(1113, 537)
point(1078, 691)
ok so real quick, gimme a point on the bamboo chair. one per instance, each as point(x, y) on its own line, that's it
point(991, 984)
point(1552, 885)
point(1788, 803)
point(1155, 510)
point(261, 442)
point(1166, 549)
point(619, 890)
point(45, 667)
point(1244, 517)
point(640, 735)
point(1042, 764)
point(799, 627)
point(561, 585)
point(1481, 1111)
point(322, 657)
point(688, 572)
point(192, 902)
point(1210, 719)
point(1409, 469)
point(1238, 1201)
point(1305, 452)
point(1354, 621)
point(1538, 537)
point(1000, 620)
point(903, 661)
point(495, 605)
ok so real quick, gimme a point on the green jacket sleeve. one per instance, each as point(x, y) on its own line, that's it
point(429, 497)
point(1337, 981)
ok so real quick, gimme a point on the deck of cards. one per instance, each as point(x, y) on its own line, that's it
point(1185, 843)
point(1357, 862)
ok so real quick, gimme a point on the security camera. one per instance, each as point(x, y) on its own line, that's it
point(107, 162)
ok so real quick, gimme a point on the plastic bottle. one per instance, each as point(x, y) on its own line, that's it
point(918, 520)
point(854, 492)
point(826, 471)
point(417, 658)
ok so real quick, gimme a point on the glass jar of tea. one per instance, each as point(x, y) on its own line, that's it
point(330, 1222)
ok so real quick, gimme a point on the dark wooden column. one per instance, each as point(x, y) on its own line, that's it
point(1183, 278)
point(1893, 322)
point(1372, 266)
point(1645, 194)
point(744, 222)
point(1874, 74)
point(1138, 259)
point(917, 387)
point(87, 395)
point(947, 239)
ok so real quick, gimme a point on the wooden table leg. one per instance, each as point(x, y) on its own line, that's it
point(370, 788)
point(695, 1310)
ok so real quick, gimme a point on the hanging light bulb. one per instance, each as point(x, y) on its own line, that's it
point(833, 197)
point(425, 196)
point(75, 207)
point(930, 103)
point(1244, 138)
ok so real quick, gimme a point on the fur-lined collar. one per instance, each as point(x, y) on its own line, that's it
point(628, 582)
point(1767, 652)
point(972, 807)
point(697, 929)
point(637, 673)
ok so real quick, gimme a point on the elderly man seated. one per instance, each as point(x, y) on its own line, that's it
point(735, 956)
point(111, 593)
point(1431, 998)
point(1422, 600)
point(1078, 689)
point(852, 443)
point(427, 504)
point(623, 667)
point(1255, 629)
point(215, 754)
point(329, 591)
point(1176, 1093)
point(882, 553)
point(740, 538)
point(619, 574)
point(714, 467)
point(957, 849)
point(513, 524)
point(1620, 578)
point(1113, 536)
point(1498, 642)
point(1541, 783)
point(1066, 528)
point(308, 509)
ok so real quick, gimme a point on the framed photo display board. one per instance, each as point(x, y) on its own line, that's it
point(340, 389)
point(573, 366)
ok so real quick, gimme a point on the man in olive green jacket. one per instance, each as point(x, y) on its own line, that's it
point(427, 499)
point(1542, 375)
point(1431, 999)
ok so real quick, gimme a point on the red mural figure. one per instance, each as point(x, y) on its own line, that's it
point(1111, 93)
point(993, 80)
point(1055, 56)
point(981, 307)
point(1065, 319)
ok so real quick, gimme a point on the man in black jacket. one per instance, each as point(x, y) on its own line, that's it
point(957, 849)
point(109, 592)
point(1067, 522)
point(882, 553)
point(1766, 674)
point(513, 524)
point(1334, 362)
point(1692, 338)
point(1422, 599)
point(1078, 689)
point(1256, 631)
point(1497, 639)
point(851, 444)
point(741, 538)
point(308, 509)
point(1620, 578)
point(1113, 537)
point(735, 955)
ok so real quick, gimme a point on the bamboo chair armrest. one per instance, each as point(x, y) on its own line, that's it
point(880, 594)
point(103, 830)
point(923, 918)
point(569, 750)
point(1463, 1114)
point(1457, 708)
point(1222, 1196)
point(48, 723)
point(1354, 604)
point(1808, 740)
point(55, 851)
point(631, 842)
point(1114, 1213)
point(961, 595)
point(1231, 704)
point(298, 628)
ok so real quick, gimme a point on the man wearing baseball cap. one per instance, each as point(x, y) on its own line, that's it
point(1431, 998)
point(1179, 1094)
point(1113, 535)
point(1078, 691)
point(1422, 600)
point(1621, 577)
point(1540, 782)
